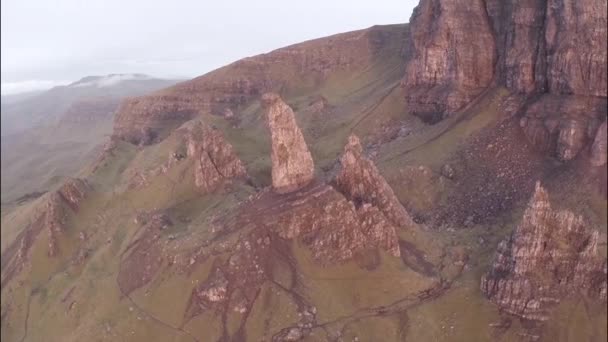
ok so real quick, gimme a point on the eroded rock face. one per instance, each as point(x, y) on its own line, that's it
point(292, 164)
point(145, 256)
point(599, 149)
point(575, 33)
point(361, 182)
point(562, 126)
point(448, 69)
point(74, 191)
point(535, 46)
point(334, 228)
point(215, 159)
point(550, 255)
point(54, 220)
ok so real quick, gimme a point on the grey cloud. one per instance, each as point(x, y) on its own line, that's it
point(51, 41)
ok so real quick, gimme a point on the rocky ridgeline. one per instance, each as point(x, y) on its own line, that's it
point(552, 52)
point(50, 217)
point(292, 165)
point(227, 90)
point(551, 254)
point(71, 193)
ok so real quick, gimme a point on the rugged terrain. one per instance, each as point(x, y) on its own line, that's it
point(402, 182)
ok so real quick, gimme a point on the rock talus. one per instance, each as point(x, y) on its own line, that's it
point(292, 164)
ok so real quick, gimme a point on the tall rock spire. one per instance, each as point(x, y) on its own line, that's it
point(360, 181)
point(292, 164)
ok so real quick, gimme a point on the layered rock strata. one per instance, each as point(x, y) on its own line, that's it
point(551, 254)
point(292, 164)
point(448, 68)
point(551, 51)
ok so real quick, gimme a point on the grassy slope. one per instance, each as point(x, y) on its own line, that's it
point(363, 103)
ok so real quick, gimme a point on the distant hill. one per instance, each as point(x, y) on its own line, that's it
point(12, 98)
point(51, 134)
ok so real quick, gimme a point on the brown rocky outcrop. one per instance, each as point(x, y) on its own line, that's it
point(550, 255)
point(532, 47)
point(333, 227)
point(361, 182)
point(447, 68)
point(215, 160)
point(54, 221)
point(74, 191)
point(562, 126)
point(292, 164)
point(599, 147)
point(143, 120)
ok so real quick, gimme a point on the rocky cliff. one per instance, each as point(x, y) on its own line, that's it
point(551, 254)
point(233, 87)
point(552, 52)
point(447, 68)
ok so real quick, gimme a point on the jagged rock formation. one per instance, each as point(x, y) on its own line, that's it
point(599, 147)
point(551, 47)
point(54, 220)
point(448, 68)
point(292, 164)
point(361, 182)
point(142, 120)
point(74, 191)
point(215, 160)
point(334, 228)
point(550, 255)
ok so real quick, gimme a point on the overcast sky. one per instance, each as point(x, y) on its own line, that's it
point(49, 42)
